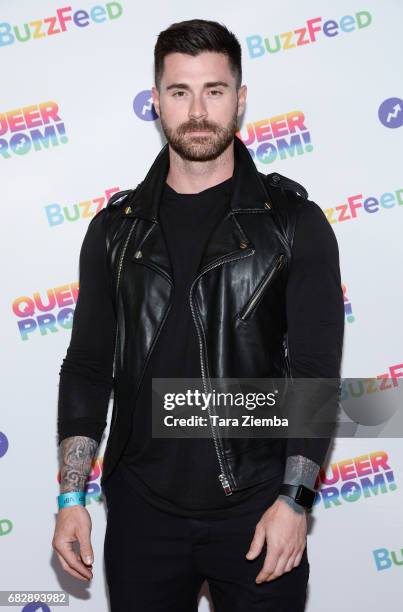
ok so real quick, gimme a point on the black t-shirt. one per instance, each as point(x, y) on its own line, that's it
point(181, 474)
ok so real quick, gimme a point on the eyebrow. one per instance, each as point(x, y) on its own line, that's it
point(206, 85)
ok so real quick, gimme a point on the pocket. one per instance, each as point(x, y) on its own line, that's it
point(254, 300)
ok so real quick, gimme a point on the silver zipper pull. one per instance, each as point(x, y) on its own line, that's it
point(225, 484)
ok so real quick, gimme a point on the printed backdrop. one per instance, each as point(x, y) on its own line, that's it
point(77, 124)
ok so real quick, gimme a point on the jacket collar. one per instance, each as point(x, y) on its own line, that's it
point(249, 191)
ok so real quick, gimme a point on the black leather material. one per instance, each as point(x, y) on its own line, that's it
point(301, 494)
point(242, 256)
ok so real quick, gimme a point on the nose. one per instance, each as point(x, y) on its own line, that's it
point(197, 108)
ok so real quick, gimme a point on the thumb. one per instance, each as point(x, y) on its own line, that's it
point(86, 552)
point(256, 544)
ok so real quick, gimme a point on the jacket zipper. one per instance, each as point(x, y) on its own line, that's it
point(286, 354)
point(117, 287)
point(223, 476)
point(253, 301)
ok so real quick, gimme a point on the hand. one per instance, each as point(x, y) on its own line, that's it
point(285, 533)
point(74, 523)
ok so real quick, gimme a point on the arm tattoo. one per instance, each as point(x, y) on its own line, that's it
point(299, 470)
point(77, 453)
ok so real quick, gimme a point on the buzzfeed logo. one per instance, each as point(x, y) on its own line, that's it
point(259, 46)
point(385, 559)
point(57, 214)
point(57, 24)
point(358, 204)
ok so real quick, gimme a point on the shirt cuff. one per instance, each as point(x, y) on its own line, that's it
point(299, 470)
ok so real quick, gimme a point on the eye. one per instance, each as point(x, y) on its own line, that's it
point(215, 93)
point(178, 94)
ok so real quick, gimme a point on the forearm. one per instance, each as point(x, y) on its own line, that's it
point(299, 470)
point(76, 457)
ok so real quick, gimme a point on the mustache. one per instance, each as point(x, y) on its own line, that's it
point(202, 126)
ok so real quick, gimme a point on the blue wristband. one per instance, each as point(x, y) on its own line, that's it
point(72, 498)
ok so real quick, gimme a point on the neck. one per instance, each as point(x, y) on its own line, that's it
point(192, 177)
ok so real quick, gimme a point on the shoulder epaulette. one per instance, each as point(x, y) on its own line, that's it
point(119, 197)
point(279, 180)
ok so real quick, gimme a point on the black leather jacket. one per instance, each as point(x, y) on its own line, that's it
point(237, 300)
point(241, 326)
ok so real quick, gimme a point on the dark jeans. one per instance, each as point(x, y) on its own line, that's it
point(157, 562)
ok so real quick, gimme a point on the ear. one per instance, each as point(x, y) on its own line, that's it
point(156, 100)
point(242, 93)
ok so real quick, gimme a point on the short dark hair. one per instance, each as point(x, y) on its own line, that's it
point(193, 37)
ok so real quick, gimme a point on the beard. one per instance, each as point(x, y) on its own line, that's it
point(201, 147)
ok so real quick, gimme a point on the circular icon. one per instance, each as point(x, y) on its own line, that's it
point(390, 113)
point(143, 106)
point(3, 444)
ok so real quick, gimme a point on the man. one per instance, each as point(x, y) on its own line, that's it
point(207, 269)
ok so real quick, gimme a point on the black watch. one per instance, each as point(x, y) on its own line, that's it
point(301, 494)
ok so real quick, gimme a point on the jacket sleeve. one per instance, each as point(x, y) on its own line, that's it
point(86, 377)
point(315, 316)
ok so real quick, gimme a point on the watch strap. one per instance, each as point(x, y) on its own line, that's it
point(301, 494)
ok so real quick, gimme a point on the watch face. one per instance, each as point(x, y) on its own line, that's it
point(305, 496)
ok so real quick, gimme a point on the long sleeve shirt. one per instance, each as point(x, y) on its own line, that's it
point(162, 469)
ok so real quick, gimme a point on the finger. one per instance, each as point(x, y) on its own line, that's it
point(80, 560)
point(279, 570)
point(258, 540)
point(292, 562)
point(298, 558)
point(69, 570)
point(269, 564)
point(86, 552)
point(68, 554)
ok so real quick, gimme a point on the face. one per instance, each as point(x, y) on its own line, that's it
point(199, 104)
